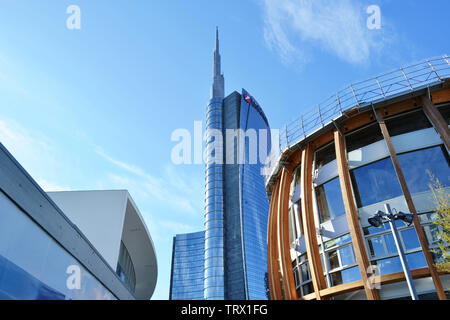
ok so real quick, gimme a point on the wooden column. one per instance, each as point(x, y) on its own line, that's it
point(352, 215)
point(309, 228)
point(284, 247)
point(411, 207)
point(437, 120)
point(273, 266)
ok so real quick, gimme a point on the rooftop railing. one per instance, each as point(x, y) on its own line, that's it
point(409, 78)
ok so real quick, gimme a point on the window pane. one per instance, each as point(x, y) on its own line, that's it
point(417, 164)
point(363, 137)
point(338, 241)
point(407, 123)
point(410, 239)
point(336, 278)
point(347, 257)
point(305, 272)
point(333, 259)
point(375, 182)
point(416, 260)
point(376, 247)
point(350, 275)
point(390, 244)
point(307, 289)
point(432, 234)
point(329, 200)
point(325, 155)
point(389, 265)
point(445, 111)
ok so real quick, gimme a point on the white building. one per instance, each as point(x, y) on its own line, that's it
point(70, 245)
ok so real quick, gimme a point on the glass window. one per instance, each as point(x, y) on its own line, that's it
point(347, 256)
point(375, 182)
point(345, 276)
point(409, 122)
point(333, 259)
point(325, 155)
point(376, 246)
point(338, 241)
point(445, 111)
point(410, 239)
point(329, 200)
point(363, 137)
point(418, 165)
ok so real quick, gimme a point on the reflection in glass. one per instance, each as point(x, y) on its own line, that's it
point(417, 165)
point(375, 183)
point(329, 200)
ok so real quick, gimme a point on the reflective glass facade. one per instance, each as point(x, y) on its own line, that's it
point(214, 205)
point(34, 266)
point(187, 275)
point(254, 202)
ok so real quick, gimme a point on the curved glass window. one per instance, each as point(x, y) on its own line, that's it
point(302, 276)
point(340, 261)
point(329, 200)
point(125, 268)
point(375, 182)
point(418, 165)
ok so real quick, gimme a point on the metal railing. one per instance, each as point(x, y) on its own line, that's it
point(410, 78)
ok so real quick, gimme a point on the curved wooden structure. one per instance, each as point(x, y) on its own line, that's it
point(281, 275)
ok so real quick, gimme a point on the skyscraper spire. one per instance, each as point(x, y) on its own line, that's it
point(218, 87)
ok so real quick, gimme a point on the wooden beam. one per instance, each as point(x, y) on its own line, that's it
point(352, 215)
point(441, 96)
point(343, 288)
point(411, 207)
point(284, 247)
point(309, 228)
point(437, 120)
point(273, 267)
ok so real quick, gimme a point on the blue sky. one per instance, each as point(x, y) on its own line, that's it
point(95, 108)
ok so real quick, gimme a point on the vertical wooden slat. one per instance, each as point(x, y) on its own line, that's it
point(309, 228)
point(411, 207)
point(273, 267)
point(283, 237)
point(437, 120)
point(352, 215)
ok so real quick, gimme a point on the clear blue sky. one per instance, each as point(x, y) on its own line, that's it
point(95, 108)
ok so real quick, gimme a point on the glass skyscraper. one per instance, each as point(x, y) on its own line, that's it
point(186, 281)
point(236, 204)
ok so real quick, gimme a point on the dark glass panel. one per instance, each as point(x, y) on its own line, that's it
point(409, 122)
point(363, 137)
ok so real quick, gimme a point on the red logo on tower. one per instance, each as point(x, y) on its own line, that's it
point(247, 98)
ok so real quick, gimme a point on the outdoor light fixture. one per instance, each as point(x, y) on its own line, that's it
point(377, 221)
point(405, 217)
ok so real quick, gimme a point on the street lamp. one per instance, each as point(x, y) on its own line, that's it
point(377, 221)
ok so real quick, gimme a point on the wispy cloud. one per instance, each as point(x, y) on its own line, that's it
point(32, 149)
point(293, 27)
point(171, 188)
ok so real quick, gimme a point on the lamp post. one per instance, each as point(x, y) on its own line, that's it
point(377, 221)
